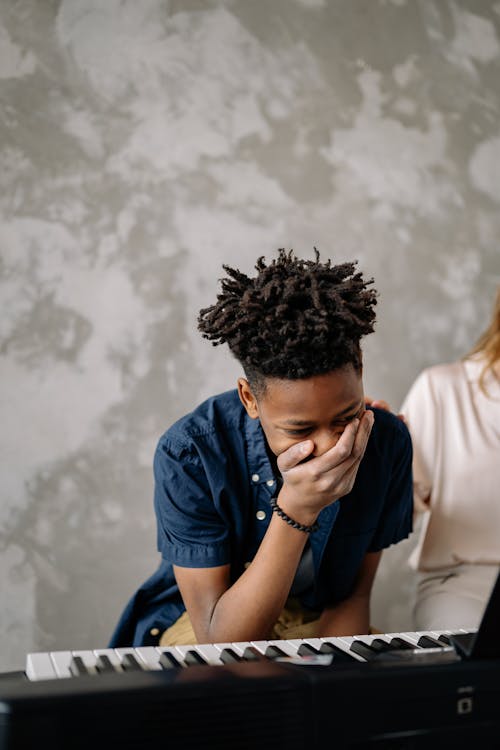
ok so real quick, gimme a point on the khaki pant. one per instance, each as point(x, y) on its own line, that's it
point(293, 622)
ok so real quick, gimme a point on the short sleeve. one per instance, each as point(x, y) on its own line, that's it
point(396, 519)
point(420, 409)
point(191, 530)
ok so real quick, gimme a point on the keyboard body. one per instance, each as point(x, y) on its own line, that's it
point(282, 694)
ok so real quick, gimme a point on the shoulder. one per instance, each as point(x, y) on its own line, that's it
point(390, 439)
point(218, 418)
point(389, 443)
point(443, 374)
point(434, 384)
point(440, 376)
point(388, 426)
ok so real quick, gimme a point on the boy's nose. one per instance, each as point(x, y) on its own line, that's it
point(325, 440)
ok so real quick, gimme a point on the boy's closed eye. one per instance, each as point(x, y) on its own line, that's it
point(339, 425)
point(298, 432)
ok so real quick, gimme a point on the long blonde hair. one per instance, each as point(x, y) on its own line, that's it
point(488, 344)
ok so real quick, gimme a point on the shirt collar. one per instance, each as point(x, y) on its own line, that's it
point(261, 471)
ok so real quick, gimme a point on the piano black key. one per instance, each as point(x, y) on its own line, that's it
point(445, 639)
point(426, 641)
point(305, 649)
point(363, 649)
point(229, 656)
point(192, 658)
point(77, 667)
point(130, 663)
point(253, 654)
point(275, 652)
point(168, 661)
point(400, 643)
point(339, 655)
point(104, 664)
point(380, 646)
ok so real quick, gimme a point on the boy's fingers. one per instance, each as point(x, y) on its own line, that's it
point(350, 446)
point(342, 450)
point(362, 435)
point(294, 455)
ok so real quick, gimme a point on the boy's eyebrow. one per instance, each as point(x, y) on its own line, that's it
point(304, 422)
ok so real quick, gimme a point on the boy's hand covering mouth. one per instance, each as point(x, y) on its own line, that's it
point(310, 483)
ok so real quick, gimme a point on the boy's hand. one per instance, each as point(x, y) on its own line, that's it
point(310, 485)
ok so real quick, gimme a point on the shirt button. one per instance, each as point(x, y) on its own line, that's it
point(255, 477)
point(154, 631)
point(270, 482)
point(260, 515)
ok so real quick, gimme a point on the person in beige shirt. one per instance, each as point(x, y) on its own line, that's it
point(453, 414)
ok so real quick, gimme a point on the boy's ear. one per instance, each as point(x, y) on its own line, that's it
point(247, 398)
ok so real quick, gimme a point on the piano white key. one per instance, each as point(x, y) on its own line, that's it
point(283, 645)
point(238, 646)
point(209, 651)
point(61, 661)
point(344, 643)
point(88, 658)
point(149, 655)
point(39, 666)
point(368, 639)
point(437, 633)
point(120, 652)
point(180, 651)
point(170, 650)
point(112, 656)
point(224, 644)
point(297, 642)
point(344, 640)
point(412, 638)
point(260, 645)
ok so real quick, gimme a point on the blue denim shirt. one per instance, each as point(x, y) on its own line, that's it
point(213, 484)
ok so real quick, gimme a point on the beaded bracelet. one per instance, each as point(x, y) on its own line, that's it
point(295, 524)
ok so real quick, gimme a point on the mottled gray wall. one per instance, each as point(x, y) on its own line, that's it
point(144, 143)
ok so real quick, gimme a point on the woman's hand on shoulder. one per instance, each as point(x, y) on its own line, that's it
point(381, 404)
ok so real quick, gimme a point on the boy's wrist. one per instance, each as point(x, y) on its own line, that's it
point(306, 528)
point(303, 515)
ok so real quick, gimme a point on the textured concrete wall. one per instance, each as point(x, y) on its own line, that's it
point(142, 144)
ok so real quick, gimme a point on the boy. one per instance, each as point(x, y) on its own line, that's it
point(274, 501)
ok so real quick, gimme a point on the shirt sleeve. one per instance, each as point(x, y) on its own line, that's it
point(396, 520)
point(420, 409)
point(191, 529)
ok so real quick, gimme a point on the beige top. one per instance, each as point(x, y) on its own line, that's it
point(455, 430)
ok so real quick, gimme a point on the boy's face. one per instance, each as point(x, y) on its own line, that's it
point(316, 408)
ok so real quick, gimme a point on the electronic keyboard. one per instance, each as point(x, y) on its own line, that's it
point(61, 664)
point(392, 690)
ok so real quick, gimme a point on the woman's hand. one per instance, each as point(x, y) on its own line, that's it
point(381, 404)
